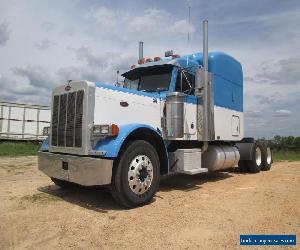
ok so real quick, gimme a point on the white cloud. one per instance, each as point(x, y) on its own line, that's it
point(282, 113)
point(146, 24)
point(44, 44)
point(105, 17)
point(4, 33)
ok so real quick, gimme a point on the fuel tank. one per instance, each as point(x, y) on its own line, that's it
point(218, 157)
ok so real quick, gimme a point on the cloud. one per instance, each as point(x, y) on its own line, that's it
point(105, 17)
point(4, 33)
point(22, 92)
point(36, 76)
point(146, 24)
point(96, 67)
point(282, 113)
point(252, 114)
point(48, 26)
point(44, 44)
point(284, 71)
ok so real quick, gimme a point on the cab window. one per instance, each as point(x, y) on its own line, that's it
point(149, 79)
point(185, 82)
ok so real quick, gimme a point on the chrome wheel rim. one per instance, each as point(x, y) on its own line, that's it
point(140, 174)
point(258, 156)
point(269, 156)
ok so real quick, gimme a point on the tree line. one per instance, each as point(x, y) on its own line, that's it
point(283, 143)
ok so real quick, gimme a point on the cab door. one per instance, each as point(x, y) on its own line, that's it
point(185, 83)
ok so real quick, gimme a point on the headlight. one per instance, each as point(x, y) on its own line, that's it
point(105, 130)
point(46, 131)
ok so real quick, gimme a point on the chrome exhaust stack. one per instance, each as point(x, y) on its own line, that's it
point(141, 50)
point(204, 92)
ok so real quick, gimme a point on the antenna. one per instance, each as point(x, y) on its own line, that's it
point(189, 21)
point(117, 83)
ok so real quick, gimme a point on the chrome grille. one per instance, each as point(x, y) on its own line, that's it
point(67, 119)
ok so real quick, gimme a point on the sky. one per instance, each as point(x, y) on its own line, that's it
point(44, 43)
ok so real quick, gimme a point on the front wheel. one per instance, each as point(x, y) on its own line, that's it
point(136, 174)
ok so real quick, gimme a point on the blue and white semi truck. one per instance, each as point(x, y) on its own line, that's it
point(180, 114)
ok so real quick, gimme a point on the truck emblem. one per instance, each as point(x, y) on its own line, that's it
point(124, 104)
point(68, 87)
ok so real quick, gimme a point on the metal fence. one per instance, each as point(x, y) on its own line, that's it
point(23, 121)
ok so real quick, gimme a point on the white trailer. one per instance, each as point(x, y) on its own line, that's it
point(23, 121)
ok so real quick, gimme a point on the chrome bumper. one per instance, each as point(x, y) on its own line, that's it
point(86, 171)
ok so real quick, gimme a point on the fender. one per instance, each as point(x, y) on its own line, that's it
point(112, 146)
point(45, 145)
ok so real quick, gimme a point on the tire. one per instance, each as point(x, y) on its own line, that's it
point(267, 159)
point(136, 174)
point(255, 165)
point(62, 183)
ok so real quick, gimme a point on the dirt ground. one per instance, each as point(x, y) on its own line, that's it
point(207, 211)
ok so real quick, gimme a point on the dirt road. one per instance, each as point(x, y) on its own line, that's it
point(207, 211)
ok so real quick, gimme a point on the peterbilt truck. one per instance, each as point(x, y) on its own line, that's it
point(179, 114)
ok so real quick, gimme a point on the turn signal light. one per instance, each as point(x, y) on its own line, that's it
point(114, 130)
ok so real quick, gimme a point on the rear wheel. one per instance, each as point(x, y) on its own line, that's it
point(255, 165)
point(266, 159)
point(136, 174)
point(243, 166)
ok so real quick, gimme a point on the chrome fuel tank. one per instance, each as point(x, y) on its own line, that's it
point(218, 157)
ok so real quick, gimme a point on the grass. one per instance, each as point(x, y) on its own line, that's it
point(286, 156)
point(29, 148)
point(18, 148)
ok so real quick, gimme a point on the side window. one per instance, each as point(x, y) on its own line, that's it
point(185, 83)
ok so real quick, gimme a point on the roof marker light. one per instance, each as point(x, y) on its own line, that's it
point(175, 56)
point(141, 61)
point(132, 66)
point(157, 58)
point(149, 60)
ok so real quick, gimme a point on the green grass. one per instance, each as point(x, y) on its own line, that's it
point(286, 156)
point(18, 148)
point(29, 148)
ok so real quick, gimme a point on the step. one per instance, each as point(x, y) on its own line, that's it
point(193, 171)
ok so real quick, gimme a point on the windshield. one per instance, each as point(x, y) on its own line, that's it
point(149, 79)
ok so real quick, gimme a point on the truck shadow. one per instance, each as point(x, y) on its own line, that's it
point(188, 183)
point(93, 198)
point(100, 200)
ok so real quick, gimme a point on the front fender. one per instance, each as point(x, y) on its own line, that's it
point(45, 145)
point(113, 145)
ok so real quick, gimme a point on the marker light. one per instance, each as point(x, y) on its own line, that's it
point(149, 60)
point(141, 61)
point(132, 66)
point(175, 56)
point(157, 58)
point(114, 130)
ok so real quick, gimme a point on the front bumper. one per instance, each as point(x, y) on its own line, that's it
point(86, 171)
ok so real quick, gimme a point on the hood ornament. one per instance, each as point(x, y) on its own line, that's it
point(68, 86)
